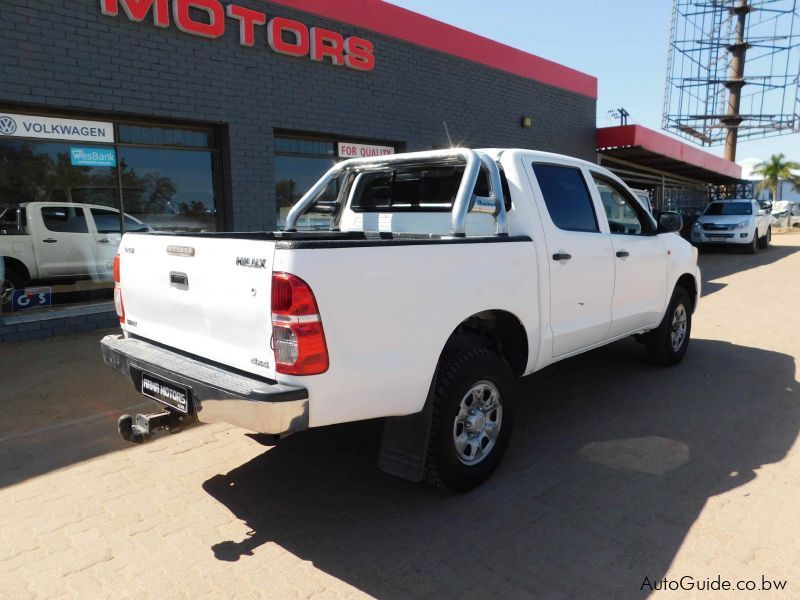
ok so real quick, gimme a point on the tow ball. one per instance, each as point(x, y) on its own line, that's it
point(140, 429)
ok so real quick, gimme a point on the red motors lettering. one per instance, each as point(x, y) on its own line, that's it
point(209, 18)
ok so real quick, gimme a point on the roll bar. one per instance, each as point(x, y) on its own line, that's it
point(465, 200)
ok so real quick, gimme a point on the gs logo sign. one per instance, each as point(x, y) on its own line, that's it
point(31, 298)
point(8, 126)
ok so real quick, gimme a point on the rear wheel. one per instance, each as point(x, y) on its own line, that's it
point(13, 281)
point(667, 344)
point(473, 415)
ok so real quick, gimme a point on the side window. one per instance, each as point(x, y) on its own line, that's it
point(106, 221)
point(64, 219)
point(567, 197)
point(131, 225)
point(625, 215)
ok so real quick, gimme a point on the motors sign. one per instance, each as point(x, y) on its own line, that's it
point(211, 18)
point(47, 128)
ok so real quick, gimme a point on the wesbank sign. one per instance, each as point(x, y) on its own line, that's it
point(284, 36)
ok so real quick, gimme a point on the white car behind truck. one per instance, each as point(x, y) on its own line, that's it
point(741, 223)
point(58, 242)
point(445, 277)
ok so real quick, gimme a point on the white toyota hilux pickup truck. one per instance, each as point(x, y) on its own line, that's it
point(58, 242)
point(445, 277)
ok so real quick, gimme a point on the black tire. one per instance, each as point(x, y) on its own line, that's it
point(661, 347)
point(753, 246)
point(13, 281)
point(763, 242)
point(471, 367)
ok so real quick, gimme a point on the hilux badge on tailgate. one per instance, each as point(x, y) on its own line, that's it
point(252, 263)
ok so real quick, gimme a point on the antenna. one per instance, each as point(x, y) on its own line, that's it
point(447, 131)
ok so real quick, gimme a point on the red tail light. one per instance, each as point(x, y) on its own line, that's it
point(297, 334)
point(118, 291)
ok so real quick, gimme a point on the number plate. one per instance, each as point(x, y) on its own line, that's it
point(166, 392)
point(717, 238)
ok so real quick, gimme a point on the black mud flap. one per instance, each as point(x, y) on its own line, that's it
point(404, 443)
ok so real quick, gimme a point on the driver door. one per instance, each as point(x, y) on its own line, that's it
point(63, 245)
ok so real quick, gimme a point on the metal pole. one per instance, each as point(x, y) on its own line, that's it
point(736, 81)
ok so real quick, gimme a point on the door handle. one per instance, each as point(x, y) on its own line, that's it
point(50, 241)
point(623, 254)
point(561, 256)
point(103, 241)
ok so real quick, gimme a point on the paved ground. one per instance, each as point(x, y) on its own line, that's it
point(617, 471)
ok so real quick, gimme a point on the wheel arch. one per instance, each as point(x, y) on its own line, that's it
point(16, 265)
point(688, 282)
point(502, 330)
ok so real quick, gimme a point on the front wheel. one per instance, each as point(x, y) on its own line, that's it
point(667, 344)
point(764, 242)
point(473, 415)
point(753, 245)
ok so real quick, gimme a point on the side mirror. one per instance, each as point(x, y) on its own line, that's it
point(669, 222)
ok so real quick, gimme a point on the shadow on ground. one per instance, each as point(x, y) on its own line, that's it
point(719, 262)
point(611, 462)
point(60, 405)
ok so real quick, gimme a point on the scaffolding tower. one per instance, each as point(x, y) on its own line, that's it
point(732, 71)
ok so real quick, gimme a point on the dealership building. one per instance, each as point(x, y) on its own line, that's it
point(215, 115)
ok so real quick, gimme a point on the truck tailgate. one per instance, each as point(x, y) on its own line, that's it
point(206, 296)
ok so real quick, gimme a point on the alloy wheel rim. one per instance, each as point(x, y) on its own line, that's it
point(6, 291)
point(678, 329)
point(476, 427)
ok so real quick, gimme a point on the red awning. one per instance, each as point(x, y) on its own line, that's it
point(648, 148)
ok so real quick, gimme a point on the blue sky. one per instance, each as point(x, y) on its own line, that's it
point(621, 42)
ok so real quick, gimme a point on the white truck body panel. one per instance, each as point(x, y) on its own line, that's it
point(223, 314)
point(384, 340)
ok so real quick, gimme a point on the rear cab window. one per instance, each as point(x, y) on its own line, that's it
point(417, 189)
point(567, 197)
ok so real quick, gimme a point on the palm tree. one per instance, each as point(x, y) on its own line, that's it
point(775, 170)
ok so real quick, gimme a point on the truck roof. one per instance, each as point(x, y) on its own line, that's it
point(59, 204)
point(496, 153)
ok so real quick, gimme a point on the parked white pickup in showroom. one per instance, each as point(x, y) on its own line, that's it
point(446, 276)
point(739, 222)
point(58, 242)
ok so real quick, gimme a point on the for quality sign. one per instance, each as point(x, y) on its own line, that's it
point(47, 128)
point(93, 157)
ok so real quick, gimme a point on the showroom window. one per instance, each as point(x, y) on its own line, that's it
point(64, 245)
point(300, 161)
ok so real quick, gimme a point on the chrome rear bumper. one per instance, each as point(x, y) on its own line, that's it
point(218, 395)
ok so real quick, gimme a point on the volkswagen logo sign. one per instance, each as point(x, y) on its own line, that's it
point(8, 126)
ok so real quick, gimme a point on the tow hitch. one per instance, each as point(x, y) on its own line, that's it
point(139, 429)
